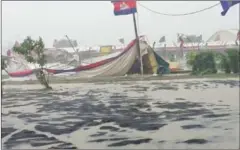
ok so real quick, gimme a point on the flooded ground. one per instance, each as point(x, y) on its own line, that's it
point(134, 115)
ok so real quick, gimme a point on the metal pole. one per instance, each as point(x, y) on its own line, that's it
point(76, 51)
point(71, 43)
point(137, 41)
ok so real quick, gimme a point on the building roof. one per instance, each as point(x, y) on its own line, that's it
point(224, 36)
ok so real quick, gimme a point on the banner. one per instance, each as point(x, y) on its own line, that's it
point(106, 49)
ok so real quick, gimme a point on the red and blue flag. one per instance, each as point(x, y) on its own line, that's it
point(124, 7)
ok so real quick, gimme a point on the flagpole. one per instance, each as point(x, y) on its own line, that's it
point(138, 43)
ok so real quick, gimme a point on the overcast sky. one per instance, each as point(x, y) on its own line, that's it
point(93, 22)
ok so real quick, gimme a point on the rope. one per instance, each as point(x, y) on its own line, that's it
point(183, 14)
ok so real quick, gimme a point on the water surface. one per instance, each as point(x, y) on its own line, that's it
point(144, 114)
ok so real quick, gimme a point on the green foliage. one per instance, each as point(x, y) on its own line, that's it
point(218, 60)
point(190, 57)
point(32, 50)
point(224, 63)
point(208, 62)
point(234, 59)
point(204, 63)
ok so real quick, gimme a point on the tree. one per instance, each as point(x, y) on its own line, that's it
point(233, 57)
point(190, 57)
point(33, 51)
point(204, 63)
point(225, 63)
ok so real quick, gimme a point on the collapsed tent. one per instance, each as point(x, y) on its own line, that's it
point(115, 64)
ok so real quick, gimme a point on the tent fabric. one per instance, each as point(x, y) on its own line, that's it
point(162, 62)
point(117, 64)
point(153, 61)
point(92, 65)
point(102, 64)
point(21, 73)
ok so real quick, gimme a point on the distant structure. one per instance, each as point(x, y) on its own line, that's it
point(228, 36)
point(219, 41)
point(64, 43)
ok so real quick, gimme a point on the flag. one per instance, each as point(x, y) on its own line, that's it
point(121, 40)
point(226, 5)
point(124, 7)
point(162, 39)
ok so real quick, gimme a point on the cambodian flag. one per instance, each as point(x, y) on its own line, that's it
point(226, 5)
point(124, 7)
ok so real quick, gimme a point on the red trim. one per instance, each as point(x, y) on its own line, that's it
point(93, 65)
point(102, 62)
point(79, 68)
point(20, 73)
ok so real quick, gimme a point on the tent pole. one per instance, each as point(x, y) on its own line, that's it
point(137, 41)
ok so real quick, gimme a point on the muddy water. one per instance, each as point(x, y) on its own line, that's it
point(143, 114)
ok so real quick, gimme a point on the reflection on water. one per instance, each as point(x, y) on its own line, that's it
point(144, 114)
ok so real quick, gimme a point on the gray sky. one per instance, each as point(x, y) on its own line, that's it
point(93, 23)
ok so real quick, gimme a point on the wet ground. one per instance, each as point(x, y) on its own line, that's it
point(144, 114)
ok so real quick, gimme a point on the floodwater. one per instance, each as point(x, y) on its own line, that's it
point(180, 114)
